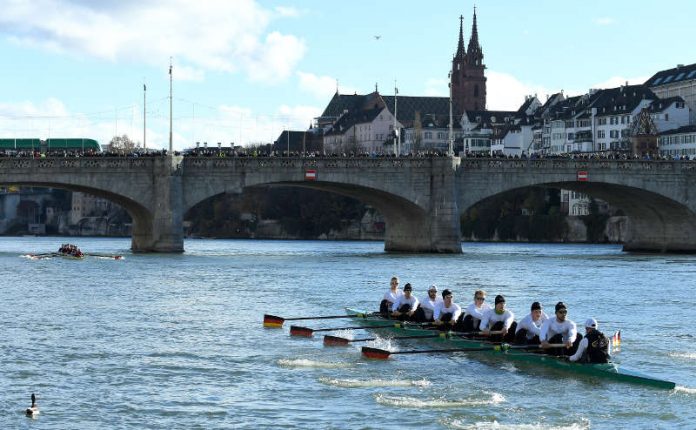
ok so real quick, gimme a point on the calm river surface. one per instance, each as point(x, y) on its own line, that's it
point(176, 341)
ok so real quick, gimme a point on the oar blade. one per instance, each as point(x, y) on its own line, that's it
point(272, 321)
point(375, 353)
point(296, 330)
point(335, 341)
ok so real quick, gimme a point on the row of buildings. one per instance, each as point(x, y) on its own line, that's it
point(657, 117)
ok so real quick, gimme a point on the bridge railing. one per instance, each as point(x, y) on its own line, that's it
point(580, 164)
point(309, 162)
point(75, 163)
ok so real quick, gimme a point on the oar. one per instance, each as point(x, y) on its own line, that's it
point(336, 341)
point(115, 257)
point(296, 330)
point(382, 354)
point(341, 341)
point(277, 322)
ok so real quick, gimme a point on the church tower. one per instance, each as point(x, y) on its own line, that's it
point(467, 77)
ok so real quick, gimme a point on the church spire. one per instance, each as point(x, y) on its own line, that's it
point(460, 47)
point(475, 53)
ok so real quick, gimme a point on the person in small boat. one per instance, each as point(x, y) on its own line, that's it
point(529, 328)
point(498, 319)
point(390, 296)
point(559, 329)
point(426, 307)
point(405, 305)
point(446, 313)
point(594, 347)
point(474, 312)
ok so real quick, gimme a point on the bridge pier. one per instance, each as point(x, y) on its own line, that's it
point(162, 229)
point(436, 229)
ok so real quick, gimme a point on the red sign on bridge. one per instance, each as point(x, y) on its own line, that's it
point(582, 175)
point(310, 175)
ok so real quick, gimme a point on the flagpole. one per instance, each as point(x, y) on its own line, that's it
point(450, 150)
point(396, 133)
point(170, 105)
point(144, 117)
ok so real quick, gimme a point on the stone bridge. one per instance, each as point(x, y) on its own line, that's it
point(421, 199)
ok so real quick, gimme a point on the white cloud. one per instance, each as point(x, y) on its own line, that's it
point(287, 11)
point(617, 81)
point(436, 87)
point(213, 36)
point(604, 21)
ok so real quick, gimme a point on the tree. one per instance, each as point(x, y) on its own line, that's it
point(122, 145)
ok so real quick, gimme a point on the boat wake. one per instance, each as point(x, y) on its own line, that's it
point(495, 425)
point(413, 402)
point(687, 390)
point(685, 355)
point(369, 383)
point(305, 363)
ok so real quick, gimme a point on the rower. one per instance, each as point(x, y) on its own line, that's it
point(498, 319)
point(594, 347)
point(447, 312)
point(559, 329)
point(425, 310)
point(475, 311)
point(390, 296)
point(405, 305)
point(529, 328)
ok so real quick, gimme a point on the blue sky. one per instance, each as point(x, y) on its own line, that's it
point(244, 70)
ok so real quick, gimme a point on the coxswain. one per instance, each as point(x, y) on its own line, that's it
point(446, 313)
point(33, 410)
point(390, 296)
point(426, 307)
point(474, 312)
point(405, 305)
point(594, 347)
point(498, 319)
point(529, 328)
point(559, 329)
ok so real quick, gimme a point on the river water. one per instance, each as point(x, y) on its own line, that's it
point(176, 341)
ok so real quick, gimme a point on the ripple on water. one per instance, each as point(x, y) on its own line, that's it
point(306, 363)
point(495, 425)
point(370, 383)
point(413, 402)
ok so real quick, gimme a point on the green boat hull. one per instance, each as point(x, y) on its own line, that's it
point(604, 371)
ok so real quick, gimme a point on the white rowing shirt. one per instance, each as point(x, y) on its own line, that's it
point(402, 300)
point(392, 296)
point(490, 317)
point(533, 327)
point(428, 305)
point(476, 312)
point(453, 309)
point(552, 327)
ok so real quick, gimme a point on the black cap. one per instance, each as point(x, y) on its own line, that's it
point(559, 306)
point(536, 306)
point(499, 299)
point(446, 293)
point(408, 287)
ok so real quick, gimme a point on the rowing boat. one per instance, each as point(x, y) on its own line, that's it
point(609, 370)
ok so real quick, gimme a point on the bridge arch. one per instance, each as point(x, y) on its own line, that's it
point(408, 193)
point(661, 217)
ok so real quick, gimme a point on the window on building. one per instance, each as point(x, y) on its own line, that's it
point(692, 74)
point(476, 91)
point(679, 76)
point(601, 134)
point(668, 78)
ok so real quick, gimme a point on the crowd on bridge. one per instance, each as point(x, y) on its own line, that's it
point(265, 153)
point(497, 323)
